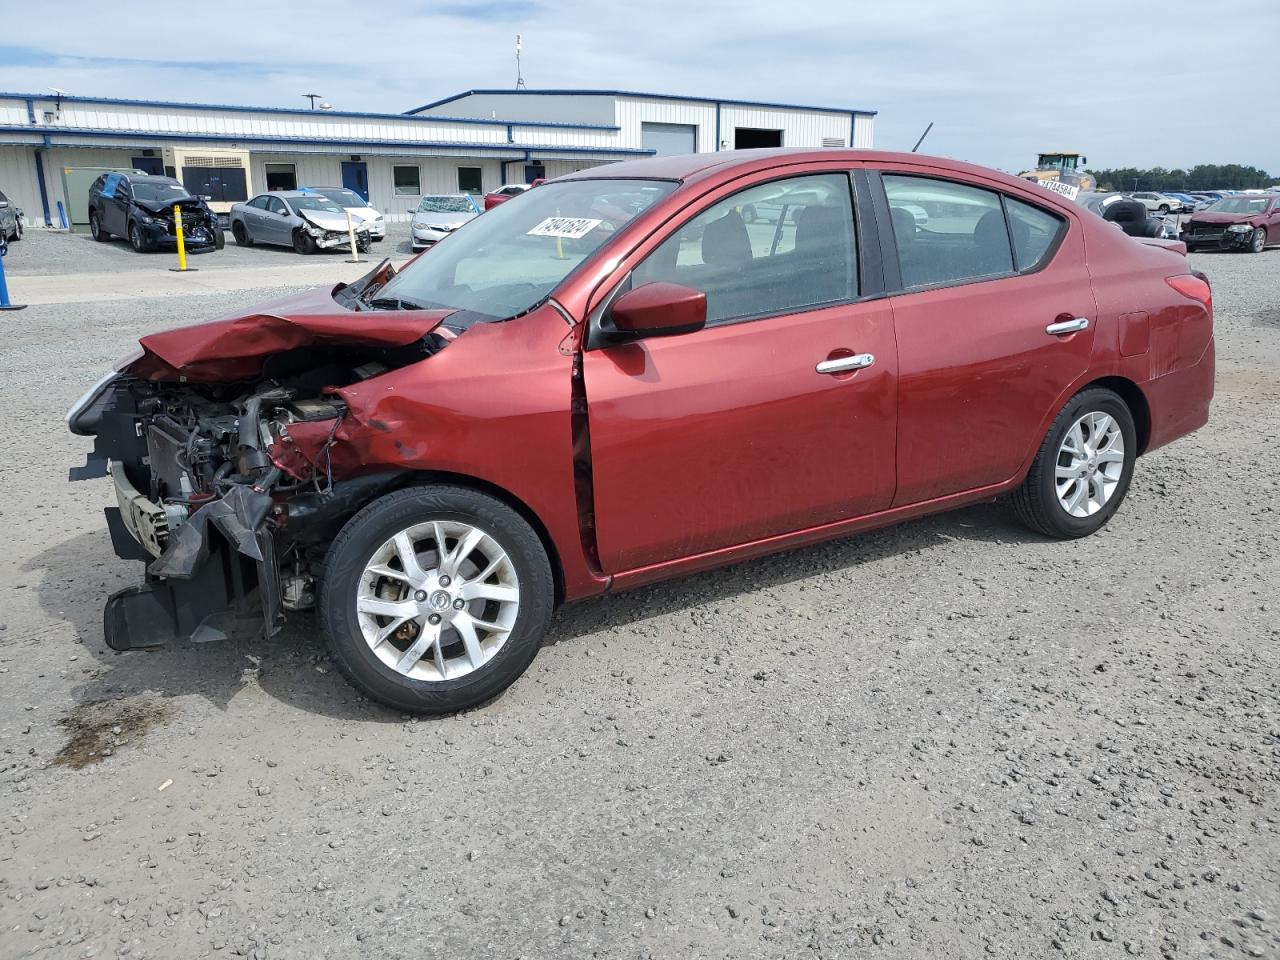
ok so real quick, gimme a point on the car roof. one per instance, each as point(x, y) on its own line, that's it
point(697, 166)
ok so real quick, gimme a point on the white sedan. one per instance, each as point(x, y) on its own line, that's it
point(437, 216)
point(361, 212)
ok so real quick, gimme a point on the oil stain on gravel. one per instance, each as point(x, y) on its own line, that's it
point(100, 728)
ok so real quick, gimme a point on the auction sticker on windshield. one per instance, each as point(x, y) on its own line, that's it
point(570, 228)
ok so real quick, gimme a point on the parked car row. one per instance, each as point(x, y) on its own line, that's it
point(141, 208)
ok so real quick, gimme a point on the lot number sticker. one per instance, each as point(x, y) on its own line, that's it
point(570, 228)
point(1057, 186)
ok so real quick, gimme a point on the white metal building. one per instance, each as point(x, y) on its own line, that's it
point(473, 141)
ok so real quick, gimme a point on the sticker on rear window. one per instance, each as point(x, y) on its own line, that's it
point(570, 228)
point(1057, 186)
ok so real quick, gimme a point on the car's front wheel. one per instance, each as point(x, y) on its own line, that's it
point(303, 242)
point(1258, 241)
point(436, 598)
point(241, 235)
point(1083, 468)
point(137, 239)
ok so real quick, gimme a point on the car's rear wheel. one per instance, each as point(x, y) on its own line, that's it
point(1258, 241)
point(303, 242)
point(436, 598)
point(1082, 470)
point(95, 229)
point(241, 235)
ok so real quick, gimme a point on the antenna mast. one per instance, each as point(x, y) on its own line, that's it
point(519, 76)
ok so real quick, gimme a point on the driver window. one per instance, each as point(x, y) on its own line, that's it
point(780, 247)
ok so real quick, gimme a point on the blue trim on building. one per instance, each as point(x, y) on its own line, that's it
point(31, 110)
point(44, 192)
point(633, 93)
point(31, 97)
point(717, 149)
point(178, 137)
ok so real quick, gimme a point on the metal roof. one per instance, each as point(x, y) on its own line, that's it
point(179, 136)
point(300, 112)
point(633, 93)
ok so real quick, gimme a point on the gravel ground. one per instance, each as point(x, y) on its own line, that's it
point(45, 252)
point(950, 739)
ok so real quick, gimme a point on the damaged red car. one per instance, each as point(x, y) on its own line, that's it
point(616, 379)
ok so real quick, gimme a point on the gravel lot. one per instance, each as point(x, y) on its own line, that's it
point(950, 739)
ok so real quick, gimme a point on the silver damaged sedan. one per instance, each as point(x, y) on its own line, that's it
point(437, 216)
point(291, 218)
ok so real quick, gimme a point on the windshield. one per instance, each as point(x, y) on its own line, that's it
point(511, 258)
point(314, 203)
point(346, 198)
point(153, 191)
point(1245, 205)
point(446, 205)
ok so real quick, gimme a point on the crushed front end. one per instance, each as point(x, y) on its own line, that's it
point(210, 492)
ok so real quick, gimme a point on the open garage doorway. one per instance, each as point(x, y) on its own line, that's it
point(752, 138)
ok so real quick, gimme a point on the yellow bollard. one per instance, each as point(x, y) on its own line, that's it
point(182, 247)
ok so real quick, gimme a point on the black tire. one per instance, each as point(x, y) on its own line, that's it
point(240, 235)
point(17, 231)
point(303, 242)
point(137, 239)
point(363, 244)
point(378, 239)
point(95, 228)
point(1258, 241)
point(1163, 209)
point(1036, 501)
point(219, 238)
point(1191, 248)
point(377, 523)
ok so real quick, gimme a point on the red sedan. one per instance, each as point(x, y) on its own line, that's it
point(616, 379)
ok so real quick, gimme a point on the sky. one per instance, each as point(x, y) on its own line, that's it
point(1141, 83)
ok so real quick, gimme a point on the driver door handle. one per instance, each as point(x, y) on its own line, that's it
point(1074, 325)
point(845, 364)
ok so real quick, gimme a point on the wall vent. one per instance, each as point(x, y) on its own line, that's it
point(833, 141)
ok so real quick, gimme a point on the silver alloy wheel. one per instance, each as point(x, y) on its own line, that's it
point(1090, 464)
point(438, 600)
point(1259, 239)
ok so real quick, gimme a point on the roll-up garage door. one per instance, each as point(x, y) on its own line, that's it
point(669, 139)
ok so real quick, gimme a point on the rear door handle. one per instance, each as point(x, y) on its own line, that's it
point(1074, 325)
point(845, 364)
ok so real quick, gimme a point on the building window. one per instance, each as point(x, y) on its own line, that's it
point(407, 181)
point(282, 176)
point(470, 180)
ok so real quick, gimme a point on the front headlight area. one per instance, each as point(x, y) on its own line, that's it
point(1239, 228)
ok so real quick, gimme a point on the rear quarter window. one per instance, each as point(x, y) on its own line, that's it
point(1035, 233)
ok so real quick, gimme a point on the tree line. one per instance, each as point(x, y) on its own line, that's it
point(1206, 176)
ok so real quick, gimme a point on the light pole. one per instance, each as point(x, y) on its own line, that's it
point(313, 97)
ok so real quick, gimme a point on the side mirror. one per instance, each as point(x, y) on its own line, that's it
point(3, 204)
point(658, 309)
point(412, 210)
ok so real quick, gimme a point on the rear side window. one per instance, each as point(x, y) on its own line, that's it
point(947, 232)
point(780, 247)
point(1035, 233)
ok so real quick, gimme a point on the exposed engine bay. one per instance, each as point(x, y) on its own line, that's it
point(226, 490)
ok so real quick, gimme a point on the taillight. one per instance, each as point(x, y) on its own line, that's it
point(1193, 286)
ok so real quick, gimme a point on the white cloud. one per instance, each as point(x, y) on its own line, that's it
point(1138, 82)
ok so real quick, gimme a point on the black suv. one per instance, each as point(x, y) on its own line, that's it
point(140, 208)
